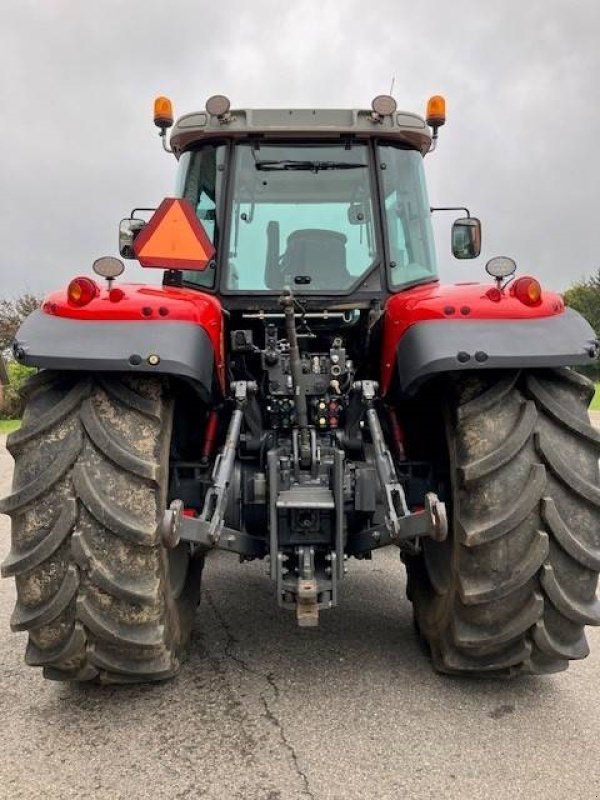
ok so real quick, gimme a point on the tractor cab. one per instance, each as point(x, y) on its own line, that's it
point(331, 203)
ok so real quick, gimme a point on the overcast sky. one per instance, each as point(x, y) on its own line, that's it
point(79, 148)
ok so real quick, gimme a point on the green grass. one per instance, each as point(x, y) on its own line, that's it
point(8, 425)
point(595, 404)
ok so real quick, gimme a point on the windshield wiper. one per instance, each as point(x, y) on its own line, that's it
point(312, 166)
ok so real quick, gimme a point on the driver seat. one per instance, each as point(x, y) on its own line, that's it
point(316, 258)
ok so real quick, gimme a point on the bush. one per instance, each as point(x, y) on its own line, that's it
point(584, 297)
point(12, 315)
point(11, 404)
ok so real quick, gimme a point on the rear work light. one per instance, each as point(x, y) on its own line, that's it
point(528, 291)
point(81, 291)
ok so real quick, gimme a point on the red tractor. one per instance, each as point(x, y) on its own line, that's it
point(301, 389)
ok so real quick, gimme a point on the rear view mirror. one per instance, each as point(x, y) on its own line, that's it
point(466, 237)
point(128, 230)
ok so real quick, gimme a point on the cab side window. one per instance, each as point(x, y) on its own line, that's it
point(201, 181)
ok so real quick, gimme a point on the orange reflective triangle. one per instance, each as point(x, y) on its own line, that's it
point(174, 238)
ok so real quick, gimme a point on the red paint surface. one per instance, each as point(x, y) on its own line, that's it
point(140, 303)
point(210, 436)
point(463, 302)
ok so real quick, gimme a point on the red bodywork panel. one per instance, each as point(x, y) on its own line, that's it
point(461, 301)
point(141, 303)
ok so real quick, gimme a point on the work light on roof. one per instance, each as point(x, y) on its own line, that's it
point(218, 105)
point(384, 105)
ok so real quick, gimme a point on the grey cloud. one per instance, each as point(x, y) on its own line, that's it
point(79, 148)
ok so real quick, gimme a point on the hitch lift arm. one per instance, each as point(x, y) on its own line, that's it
point(207, 530)
point(400, 523)
point(215, 502)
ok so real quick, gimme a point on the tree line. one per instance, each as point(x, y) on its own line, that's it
point(584, 296)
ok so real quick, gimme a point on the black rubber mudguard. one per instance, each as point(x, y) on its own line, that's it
point(429, 348)
point(179, 349)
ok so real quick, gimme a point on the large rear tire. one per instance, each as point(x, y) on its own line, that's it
point(99, 595)
point(512, 588)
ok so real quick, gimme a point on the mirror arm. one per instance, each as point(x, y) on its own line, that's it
point(133, 212)
point(450, 208)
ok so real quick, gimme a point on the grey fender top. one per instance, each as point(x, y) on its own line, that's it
point(168, 348)
point(429, 348)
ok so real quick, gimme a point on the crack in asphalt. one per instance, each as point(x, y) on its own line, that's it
point(269, 712)
point(274, 720)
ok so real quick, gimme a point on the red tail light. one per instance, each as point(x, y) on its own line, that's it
point(81, 291)
point(494, 294)
point(528, 291)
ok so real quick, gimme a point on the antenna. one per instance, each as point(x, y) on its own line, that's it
point(392, 85)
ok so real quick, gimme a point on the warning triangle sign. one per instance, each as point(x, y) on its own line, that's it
point(174, 238)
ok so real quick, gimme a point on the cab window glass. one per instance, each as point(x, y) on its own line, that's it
point(200, 181)
point(302, 215)
point(407, 216)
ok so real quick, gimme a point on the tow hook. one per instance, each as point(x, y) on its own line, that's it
point(307, 594)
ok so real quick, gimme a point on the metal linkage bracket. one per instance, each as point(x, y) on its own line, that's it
point(430, 522)
point(176, 528)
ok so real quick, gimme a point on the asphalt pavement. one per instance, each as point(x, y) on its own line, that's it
point(265, 711)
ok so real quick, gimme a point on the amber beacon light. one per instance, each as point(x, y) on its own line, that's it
point(163, 112)
point(436, 112)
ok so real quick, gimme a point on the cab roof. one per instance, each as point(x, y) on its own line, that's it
point(402, 126)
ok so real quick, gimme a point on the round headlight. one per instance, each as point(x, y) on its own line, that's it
point(500, 267)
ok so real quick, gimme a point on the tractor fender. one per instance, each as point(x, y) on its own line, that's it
point(177, 348)
point(443, 345)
